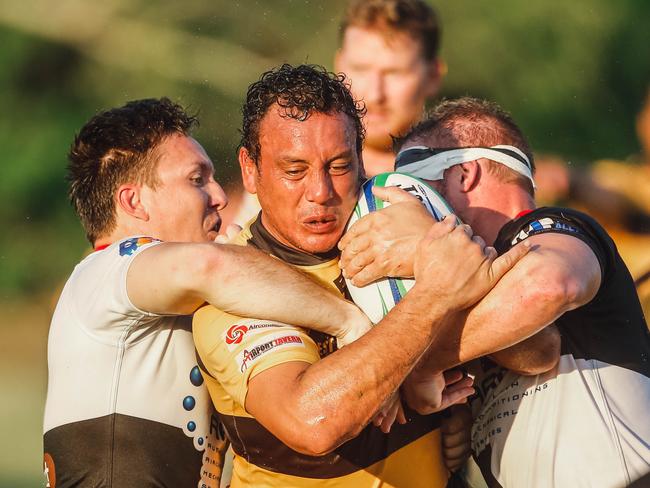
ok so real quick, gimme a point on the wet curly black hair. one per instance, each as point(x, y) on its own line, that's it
point(300, 91)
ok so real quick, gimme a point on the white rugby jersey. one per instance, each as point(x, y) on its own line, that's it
point(586, 423)
point(126, 404)
point(570, 427)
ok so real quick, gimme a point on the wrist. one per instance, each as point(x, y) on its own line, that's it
point(355, 324)
point(424, 372)
point(432, 302)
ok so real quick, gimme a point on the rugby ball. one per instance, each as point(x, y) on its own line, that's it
point(377, 298)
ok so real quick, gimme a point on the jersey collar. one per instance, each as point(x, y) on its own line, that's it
point(263, 240)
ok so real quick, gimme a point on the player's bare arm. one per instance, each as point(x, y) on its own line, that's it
point(535, 355)
point(559, 274)
point(566, 275)
point(177, 278)
point(315, 408)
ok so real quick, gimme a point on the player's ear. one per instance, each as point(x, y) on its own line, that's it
point(129, 200)
point(249, 170)
point(470, 174)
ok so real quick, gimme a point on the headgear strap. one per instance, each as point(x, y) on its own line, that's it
point(430, 163)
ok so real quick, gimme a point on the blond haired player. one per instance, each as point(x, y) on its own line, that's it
point(389, 50)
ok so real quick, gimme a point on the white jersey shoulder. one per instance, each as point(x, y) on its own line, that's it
point(95, 295)
point(106, 356)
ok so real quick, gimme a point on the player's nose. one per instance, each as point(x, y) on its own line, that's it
point(218, 197)
point(375, 88)
point(319, 188)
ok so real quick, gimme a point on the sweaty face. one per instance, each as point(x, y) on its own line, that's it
point(390, 75)
point(306, 178)
point(184, 206)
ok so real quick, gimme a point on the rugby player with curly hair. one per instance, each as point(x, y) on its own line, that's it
point(296, 408)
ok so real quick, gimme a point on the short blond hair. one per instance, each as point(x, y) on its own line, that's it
point(413, 17)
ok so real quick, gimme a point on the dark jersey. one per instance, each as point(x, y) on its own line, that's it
point(584, 423)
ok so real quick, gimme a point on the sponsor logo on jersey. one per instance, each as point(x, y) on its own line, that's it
point(252, 354)
point(128, 247)
point(542, 225)
point(235, 333)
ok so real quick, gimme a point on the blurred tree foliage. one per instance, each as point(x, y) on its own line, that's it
point(572, 73)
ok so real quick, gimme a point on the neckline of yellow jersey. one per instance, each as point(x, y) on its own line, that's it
point(263, 240)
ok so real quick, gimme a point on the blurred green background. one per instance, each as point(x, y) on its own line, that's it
point(572, 73)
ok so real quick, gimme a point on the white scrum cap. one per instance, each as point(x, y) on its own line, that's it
point(430, 163)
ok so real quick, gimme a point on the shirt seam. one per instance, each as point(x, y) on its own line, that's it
point(612, 425)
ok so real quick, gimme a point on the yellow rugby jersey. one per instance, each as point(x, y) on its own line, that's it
point(232, 350)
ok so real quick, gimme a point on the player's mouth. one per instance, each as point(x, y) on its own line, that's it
point(213, 231)
point(321, 224)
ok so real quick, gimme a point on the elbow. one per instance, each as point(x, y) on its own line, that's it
point(303, 417)
point(547, 356)
point(316, 440)
point(543, 355)
point(556, 295)
point(540, 363)
point(315, 446)
point(318, 429)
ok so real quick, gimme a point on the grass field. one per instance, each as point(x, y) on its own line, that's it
point(23, 380)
